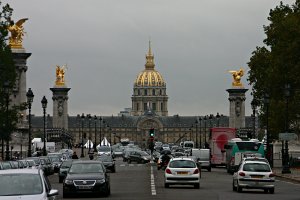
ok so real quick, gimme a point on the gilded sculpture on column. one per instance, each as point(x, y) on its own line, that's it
point(237, 75)
point(17, 32)
point(60, 75)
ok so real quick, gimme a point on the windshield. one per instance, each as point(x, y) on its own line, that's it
point(82, 168)
point(182, 164)
point(256, 167)
point(66, 164)
point(20, 184)
point(55, 159)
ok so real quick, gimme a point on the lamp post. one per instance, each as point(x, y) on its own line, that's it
point(285, 151)
point(6, 91)
point(89, 138)
point(200, 134)
point(100, 136)
point(253, 105)
point(191, 132)
point(95, 143)
point(205, 119)
point(196, 124)
point(82, 121)
point(266, 102)
point(44, 106)
point(218, 119)
point(29, 96)
point(78, 126)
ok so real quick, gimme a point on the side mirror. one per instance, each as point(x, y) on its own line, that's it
point(52, 193)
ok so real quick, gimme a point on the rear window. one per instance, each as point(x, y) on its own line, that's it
point(256, 167)
point(182, 164)
point(248, 146)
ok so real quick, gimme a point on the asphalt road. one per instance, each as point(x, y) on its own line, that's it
point(144, 181)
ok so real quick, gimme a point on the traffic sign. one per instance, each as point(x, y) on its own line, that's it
point(288, 136)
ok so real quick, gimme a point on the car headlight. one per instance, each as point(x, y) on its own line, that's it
point(68, 182)
point(100, 181)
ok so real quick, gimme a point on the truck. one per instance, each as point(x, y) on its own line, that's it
point(219, 137)
point(50, 146)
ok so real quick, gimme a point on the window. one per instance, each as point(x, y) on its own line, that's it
point(137, 106)
point(145, 107)
point(161, 106)
point(153, 92)
point(153, 106)
point(145, 92)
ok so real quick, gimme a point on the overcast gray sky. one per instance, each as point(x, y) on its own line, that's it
point(104, 42)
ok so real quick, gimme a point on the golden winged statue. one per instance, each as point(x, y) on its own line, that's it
point(60, 75)
point(237, 75)
point(17, 32)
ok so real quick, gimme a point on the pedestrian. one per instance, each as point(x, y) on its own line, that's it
point(74, 156)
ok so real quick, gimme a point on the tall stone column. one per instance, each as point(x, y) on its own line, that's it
point(237, 107)
point(60, 107)
point(19, 91)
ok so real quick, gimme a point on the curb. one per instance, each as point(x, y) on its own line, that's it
point(288, 178)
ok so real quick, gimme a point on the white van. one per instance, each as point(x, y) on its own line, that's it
point(203, 158)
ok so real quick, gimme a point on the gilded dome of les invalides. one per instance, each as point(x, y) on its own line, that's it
point(149, 76)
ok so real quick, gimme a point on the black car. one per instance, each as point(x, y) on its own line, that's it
point(108, 162)
point(139, 157)
point(86, 176)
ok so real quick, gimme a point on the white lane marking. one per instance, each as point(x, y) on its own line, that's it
point(153, 190)
point(122, 165)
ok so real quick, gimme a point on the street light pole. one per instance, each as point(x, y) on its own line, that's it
point(100, 136)
point(29, 96)
point(205, 119)
point(7, 131)
point(218, 119)
point(253, 105)
point(200, 127)
point(89, 138)
point(95, 143)
point(44, 105)
point(82, 121)
point(266, 102)
point(196, 124)
point(286, 166)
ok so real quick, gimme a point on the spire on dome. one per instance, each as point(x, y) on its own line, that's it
point(149, 58)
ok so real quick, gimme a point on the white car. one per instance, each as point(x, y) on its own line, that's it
point(254, 175)
point(182, 171)
point(25, 184)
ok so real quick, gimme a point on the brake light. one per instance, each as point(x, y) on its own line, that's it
point(272, 175)
point(168, 171)
point(196, 171)
point(242, 174)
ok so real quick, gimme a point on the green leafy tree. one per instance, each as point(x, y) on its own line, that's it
point(276, 64)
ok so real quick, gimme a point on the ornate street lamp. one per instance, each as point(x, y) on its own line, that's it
point(205, 119)
point(100, 136)
point(267, 102)
point(78, 126)
point(82, 121)
point(286, 165)
point(200, 134)
point(29, 96)
point(218, 119)
point(44, 106)
point(254, 104)
point(95, 143)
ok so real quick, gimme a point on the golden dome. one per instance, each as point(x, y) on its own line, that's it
point(149, 77)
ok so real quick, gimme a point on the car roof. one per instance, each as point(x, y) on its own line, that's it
point(85, 161)
point(255, 161)
point(183, 158)
point(20, 171)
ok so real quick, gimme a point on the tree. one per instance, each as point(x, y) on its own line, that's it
point(276, 64)
point(8, 113)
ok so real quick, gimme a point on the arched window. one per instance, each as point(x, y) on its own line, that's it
point(146, 92)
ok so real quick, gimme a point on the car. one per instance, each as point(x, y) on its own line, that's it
point(104, 150)
point(63, 170)
point(139, 157)
point(108, 162)
point(25, 184)
point(47, 165)
point(5, 165)
point(159, 161)
point(254, 175)
point(56, 162)
point(182, 171)
point(86, 176)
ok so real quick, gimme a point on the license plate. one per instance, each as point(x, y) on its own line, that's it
point(84, 187)
point(182, 173)
point(256, 176)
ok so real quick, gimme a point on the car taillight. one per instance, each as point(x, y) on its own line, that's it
point(242, 174)
point(168, 171)
point(196, 171)
point(272, 175)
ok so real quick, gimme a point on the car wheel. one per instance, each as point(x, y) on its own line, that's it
point(272, 190)
point(65, 195)
point(197, 186)
point(265, 190)
point(113, 170)
point(209, 169)
point(167, 185)
point(233, 186)
point(107, 192)
point(60, 179)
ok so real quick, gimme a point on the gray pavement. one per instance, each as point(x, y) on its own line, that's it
point(294, 176)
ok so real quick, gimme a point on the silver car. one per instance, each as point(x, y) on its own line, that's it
point(254, 175)
point(25, 184)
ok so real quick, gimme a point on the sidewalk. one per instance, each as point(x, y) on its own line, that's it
point(293, 176)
